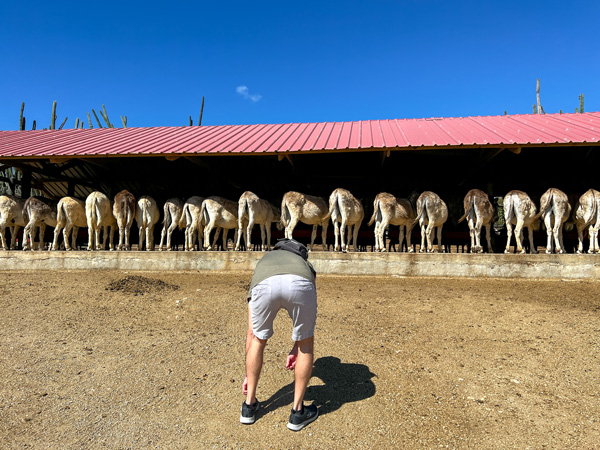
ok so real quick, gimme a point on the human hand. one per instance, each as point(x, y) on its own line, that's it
point(290, 362)
point(245, 386)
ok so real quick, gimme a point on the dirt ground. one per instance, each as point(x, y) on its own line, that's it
point(93, 359)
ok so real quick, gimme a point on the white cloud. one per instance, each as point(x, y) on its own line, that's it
point(243, 91)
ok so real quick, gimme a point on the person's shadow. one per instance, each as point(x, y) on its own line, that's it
point(343, 383)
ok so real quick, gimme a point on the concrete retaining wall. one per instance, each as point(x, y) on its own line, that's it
point(401, 264)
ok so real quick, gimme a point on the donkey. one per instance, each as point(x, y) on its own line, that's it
point(220, 213)
point(38, 212)
point(191, 221)
point(99, 215)
point(554, 210)
point(11, 216)
point(520, 211)
point(308, 209)
point(70, 216)
point(390, 210)
point(124, 212)
point(586, 216)
point(479, 213)
point(147, 216)
point(172, 215)
point(346, 209)
point(253, 210)
point(432, 213)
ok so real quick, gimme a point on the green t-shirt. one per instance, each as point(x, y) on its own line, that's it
point(279, 262)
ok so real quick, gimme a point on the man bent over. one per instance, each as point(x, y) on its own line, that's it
point(283, 278)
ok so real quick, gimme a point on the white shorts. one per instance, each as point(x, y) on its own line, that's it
point(297, 295)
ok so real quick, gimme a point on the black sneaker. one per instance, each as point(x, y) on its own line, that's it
point(299, 419)
point(248, 415)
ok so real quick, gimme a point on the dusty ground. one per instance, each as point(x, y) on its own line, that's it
point(155, 360)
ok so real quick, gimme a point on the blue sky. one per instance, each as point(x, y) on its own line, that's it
point(281, 62)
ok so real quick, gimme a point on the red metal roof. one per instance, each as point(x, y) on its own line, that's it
point(398, 134)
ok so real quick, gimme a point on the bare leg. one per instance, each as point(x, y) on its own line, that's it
point(254, 360)
point(303, 370)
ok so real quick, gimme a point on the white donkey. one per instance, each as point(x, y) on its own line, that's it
point(70, 216)
point(191, 220)
point(347, 210)
point(520, 211)
point(11, 216)
point(390, 210)
point(308, 209)
point(124, 212)
point(172, 209)
point(99, 216)
point(586, 216)
point(432, 213)
point(38, 212)
point(220, 213)
point(147, 216)
point(253, 210)
point(479, 213)
point(555, 211)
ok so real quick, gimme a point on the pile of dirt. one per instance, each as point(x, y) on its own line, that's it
point(138, 285)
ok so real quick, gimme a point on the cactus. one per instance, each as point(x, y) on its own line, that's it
point(21, 118)
point(77, 123)
point(124, 120)
point(201, 112)
point(34, 125)
point(90, 121)
point(581, 103)
point(97, 120)
point(63, 123)
point(105, 117)
point(53, 119)
point(191, 121)
point(534, 108)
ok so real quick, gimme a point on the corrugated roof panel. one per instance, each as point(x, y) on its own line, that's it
point(355, 137)
point(268, 137)
point(315, 133)
point(333, 141)
point(309, 134)
point(294, 141)
point(324, 135)
point(549, 129)
point(344, 138)
point(376, 134)
point(366, 137)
